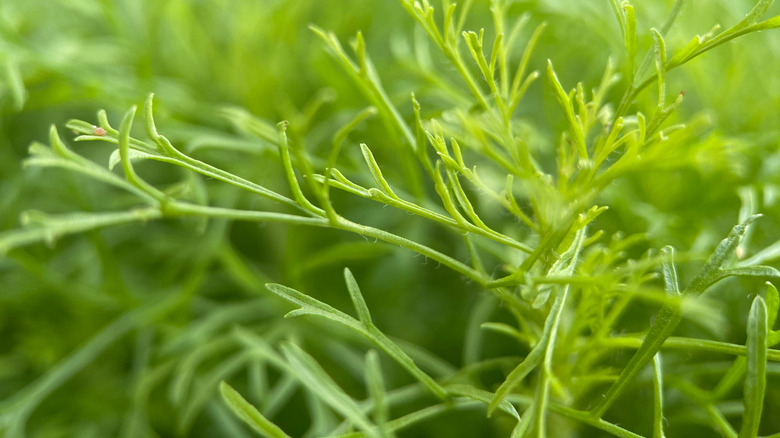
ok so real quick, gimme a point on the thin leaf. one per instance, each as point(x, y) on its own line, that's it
point(204, 391)
point(659, 48)
point(169, 154)
point(546, 377)
point(663, 326)
point(506, 329)
point(425, 359)
point(669, 272)
point(187, 367)
point(15, 81)
point(619, 14)
point(658, 396)
point(59, 226)
point(60, 156)
point(772, 304)
point(474, 44)
point(127, 166)
point(688, 52)
point(249, 414)
point(483, 396)
point(376, 172)
point(630, 37)
point(325, 388)
point(767, 272)
point(341, 135)
point(357, 298)
point(133, 154)
point(673, 14)
point(542, 350)
point(733, 377)
point(755, 381)
point(311, 306)
point(769, 253)
point(422, 415)
point(710, 272)
point(376, 389)
point(520, 77)
point(307, 303)
point(772, 23)
point(758, 10)
point(226, 422)
point(289, 171)
point(586, 418)
point(568, 111)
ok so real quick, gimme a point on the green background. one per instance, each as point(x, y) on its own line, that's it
point(75, 57)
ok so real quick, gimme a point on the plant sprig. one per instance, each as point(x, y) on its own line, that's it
point(516, 216)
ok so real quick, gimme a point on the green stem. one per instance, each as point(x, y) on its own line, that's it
point(184, 209)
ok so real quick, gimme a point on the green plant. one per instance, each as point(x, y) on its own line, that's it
point(512, 200)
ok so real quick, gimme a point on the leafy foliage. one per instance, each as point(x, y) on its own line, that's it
point(547, 201)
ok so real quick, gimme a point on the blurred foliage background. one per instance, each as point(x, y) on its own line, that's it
point(67, 59)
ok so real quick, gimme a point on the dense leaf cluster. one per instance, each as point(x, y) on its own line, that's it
point(486, 207)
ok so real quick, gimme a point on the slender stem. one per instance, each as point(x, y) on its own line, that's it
point(363, 230)
point(184, 209)
point(679, 343)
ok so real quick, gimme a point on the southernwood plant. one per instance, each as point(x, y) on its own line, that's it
point(471, 227)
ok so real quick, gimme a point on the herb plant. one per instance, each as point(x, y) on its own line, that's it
point(505, 235)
